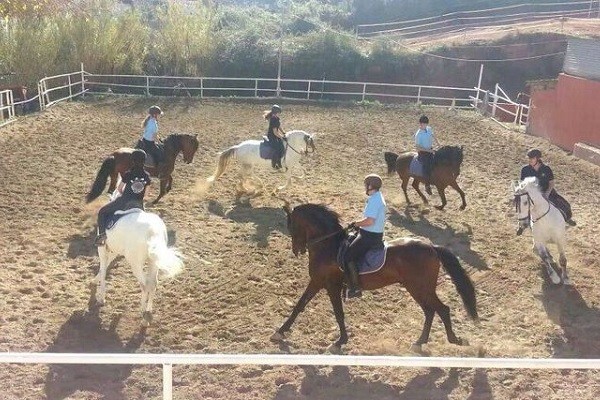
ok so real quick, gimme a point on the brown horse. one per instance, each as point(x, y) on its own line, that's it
point(120, 161)
point(444, 172)
point(411, 262)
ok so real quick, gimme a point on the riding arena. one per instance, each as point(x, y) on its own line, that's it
point(241, 279)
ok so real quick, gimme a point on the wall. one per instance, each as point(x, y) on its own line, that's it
point(568, 113)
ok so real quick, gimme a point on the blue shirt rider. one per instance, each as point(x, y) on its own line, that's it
point(370, 236)
point(276, 135)
point(424, 141)
point(150, 134)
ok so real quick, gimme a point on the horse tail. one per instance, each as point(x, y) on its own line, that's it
point(223, 162)
point(390, 160)
point(168, 260)
point(108, 165)
point(460, 278)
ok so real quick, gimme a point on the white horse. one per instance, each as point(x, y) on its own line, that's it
point(140, 237)
point(297, 143)
point(547, 225)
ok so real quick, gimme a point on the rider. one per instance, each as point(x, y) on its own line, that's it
point(424, 140)
point(275, 135)
point(545, 176)
point(132, 188)
point(150, 135)
point(370, 234)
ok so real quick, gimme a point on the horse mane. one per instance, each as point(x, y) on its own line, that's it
point(530, 181)
point(448, 155)
point(320, 215)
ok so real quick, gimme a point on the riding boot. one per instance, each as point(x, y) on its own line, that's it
point(519, 231)
point(570, 222)
point(353, 282)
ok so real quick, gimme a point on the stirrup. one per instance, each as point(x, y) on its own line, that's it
point(353, 293)
point(100, 240)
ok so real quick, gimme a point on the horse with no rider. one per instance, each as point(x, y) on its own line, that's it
point(120, 161)
point(445, 169)
point(411, 262)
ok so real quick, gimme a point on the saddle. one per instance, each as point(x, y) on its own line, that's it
point(416, 167)
point(371, 262)
point(266, 149)
point(117, 215)
point(150, 162)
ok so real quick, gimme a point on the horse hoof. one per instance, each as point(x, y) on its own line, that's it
point(277, 337)
point(439, 207)
point(567, 281)
point(461, 208)
point(416, 348)
point(463, 342)
point(335, 349)
point(147, 318)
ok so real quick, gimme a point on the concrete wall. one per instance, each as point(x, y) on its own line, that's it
point(568, 113)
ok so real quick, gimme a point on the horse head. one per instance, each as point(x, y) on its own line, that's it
point(449, 156)
point(310, 224)
point(301, 142)
point(185, 143)
point(525, 197)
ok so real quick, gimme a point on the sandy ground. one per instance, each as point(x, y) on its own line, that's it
point(241, 278)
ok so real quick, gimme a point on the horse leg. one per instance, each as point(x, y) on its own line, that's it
point(404, 187)
point(288, 180)
point(163, 190)
point(415, 184)
point(455, 186)
point(544, 255)
point(151, 283)
point(335, 296)
point(311, 290)
point(114, 177)
point(424, 338)
point(563, 262)
point(106, 256)
point(442, 193)
point(169, 184)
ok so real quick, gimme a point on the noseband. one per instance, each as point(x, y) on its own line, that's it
point(529, 203)
point(287, 144)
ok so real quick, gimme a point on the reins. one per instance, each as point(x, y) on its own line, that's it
point(321, 238)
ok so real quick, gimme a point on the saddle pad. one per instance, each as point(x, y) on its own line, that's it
point(113, 219)
point(372, 261)
point(416, 167)
point(266, 150)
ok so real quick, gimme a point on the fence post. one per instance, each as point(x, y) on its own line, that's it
point(419, 95)
point(308, 91)
point(167, 381)
point(82, 81)
point(148, 86)
point(201, 88)
point(256, 87)
point(2, 107)
point(478, 86)
point(364, 91)
point(11, 101)
point(495, 102)
point(40, 96)
point(70, 88)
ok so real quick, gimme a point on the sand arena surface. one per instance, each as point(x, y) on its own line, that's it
point(241, 279)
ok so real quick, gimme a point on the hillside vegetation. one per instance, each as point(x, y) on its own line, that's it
point(243, 38)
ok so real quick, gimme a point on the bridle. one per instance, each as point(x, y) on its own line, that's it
point(529, 203)
point(287, 144)
point(321, 238)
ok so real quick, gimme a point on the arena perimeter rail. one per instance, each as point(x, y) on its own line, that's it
point(168, 360)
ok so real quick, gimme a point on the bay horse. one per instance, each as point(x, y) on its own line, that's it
point(412, 263)
point(444, 172)
point(141, 237)
point(297, 143)
point(120, 161)
point(547, 226)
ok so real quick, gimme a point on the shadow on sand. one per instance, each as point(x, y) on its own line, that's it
point(458, 242)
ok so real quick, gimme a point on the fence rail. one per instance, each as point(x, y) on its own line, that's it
point(168, 360)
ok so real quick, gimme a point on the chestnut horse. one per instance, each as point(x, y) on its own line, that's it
point(413, 263)
point(120, 161)
point(444, 171)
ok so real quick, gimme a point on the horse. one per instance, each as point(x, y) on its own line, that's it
point(297, 143)
point(547, 226)
point(141, 237)
point(444, 172)
point(120, 161)
point(413, 263)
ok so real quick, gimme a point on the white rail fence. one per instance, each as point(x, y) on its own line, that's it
point(500, 107)
point(168, 360)
point(7, 107)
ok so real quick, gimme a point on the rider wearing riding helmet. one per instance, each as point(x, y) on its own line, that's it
point(370, 235)
point(132, 188)
point(150, 134)
point(545, 177)
point(424, 141)
point(275, 135)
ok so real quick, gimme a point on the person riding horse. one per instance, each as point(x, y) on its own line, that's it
point(370, 232)
point(276, 135)
point(424, 140)
point(545, 176)
point(133, 187)
point(150, 135)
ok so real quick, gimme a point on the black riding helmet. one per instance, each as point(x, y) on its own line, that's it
point(275, 109)
point(424, 119)
point(534, 153)
point(138, 157)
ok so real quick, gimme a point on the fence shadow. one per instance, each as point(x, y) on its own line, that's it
point(265, 219)
point(458, 242)
point(566, 307)
point(341, 384)
point(83, 333)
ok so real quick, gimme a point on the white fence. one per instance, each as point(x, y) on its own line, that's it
point(500, 107)
point(168, 360)
point(7, 107)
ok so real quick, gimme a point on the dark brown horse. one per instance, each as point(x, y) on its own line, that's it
point(444, 172)
point(120, 161)
point(413, 263)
